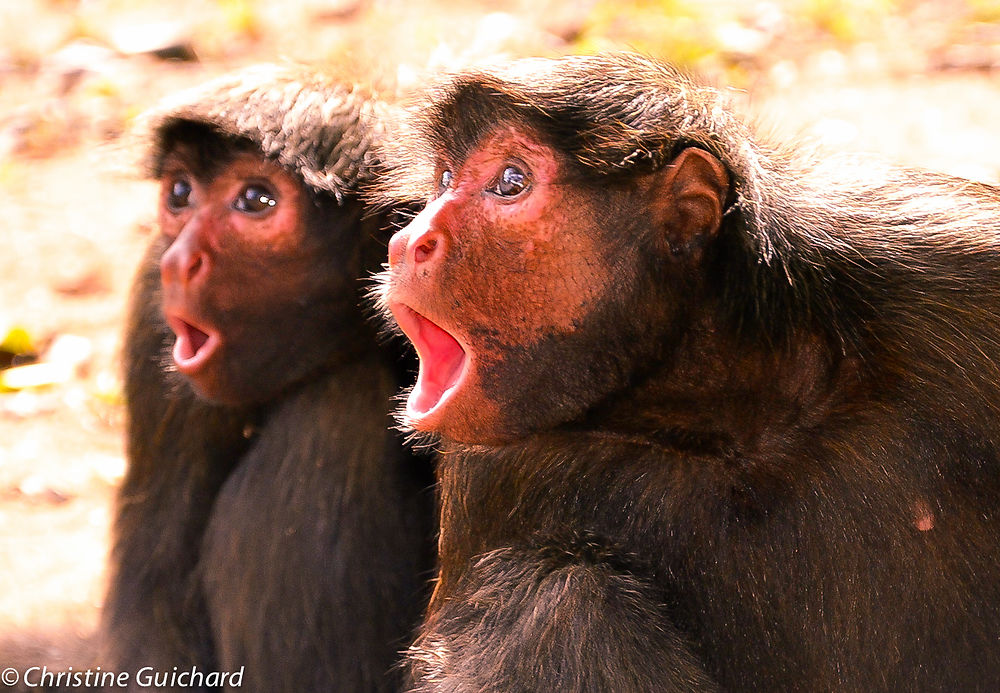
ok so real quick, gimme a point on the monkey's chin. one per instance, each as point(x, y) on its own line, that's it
point(443, 364)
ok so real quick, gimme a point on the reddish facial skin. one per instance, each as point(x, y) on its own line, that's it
point(549, 268)
point(542, 250)
point(239, 277)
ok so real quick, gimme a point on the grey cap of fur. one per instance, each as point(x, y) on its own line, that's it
point(307, 121)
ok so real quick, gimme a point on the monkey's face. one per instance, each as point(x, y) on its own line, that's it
point(495, 283)
point(239, 275)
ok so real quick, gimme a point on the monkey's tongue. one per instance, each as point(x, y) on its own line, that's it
point(441, 360)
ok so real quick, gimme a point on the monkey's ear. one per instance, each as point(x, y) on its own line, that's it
point(688, 199)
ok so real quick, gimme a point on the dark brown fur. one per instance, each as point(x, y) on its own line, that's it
point(291, 534)
point(766, 460)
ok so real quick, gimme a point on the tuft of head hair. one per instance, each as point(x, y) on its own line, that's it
point(309, 122)
point(611, 114)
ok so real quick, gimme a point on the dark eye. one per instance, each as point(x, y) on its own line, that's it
point(178, 195)
point(513, 181)
point(255, 199)
point(444, 181)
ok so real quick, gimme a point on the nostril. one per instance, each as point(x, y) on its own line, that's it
point(195, 267)
point(424, 250)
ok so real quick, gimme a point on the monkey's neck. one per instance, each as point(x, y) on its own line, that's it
point(719, 396)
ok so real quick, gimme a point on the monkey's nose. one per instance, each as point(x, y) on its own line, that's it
point(415, 248)
point(182, 263)
point(397, 247)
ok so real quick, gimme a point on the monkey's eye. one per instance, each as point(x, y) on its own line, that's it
point(254, 199)
point(178, 195)
point(512, 182)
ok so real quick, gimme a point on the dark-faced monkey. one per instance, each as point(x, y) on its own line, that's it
point(269, 523)
point(718, 416)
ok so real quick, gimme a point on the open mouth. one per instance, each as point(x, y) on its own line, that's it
point(193, 346)
point(442, 360)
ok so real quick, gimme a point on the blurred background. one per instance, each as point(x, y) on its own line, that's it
point(917, 81)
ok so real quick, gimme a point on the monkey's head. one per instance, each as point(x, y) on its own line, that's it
point(262, 231)
point(570, 214)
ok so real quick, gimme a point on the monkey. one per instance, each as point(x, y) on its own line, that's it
point(270, 524)
point(716, 413)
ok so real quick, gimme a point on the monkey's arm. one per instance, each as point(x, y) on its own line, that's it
point(520, 623)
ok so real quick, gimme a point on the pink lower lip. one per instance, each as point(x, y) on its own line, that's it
point(193, 346)
point(442, 360)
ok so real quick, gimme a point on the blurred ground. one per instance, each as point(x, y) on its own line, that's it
point(916, 81)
